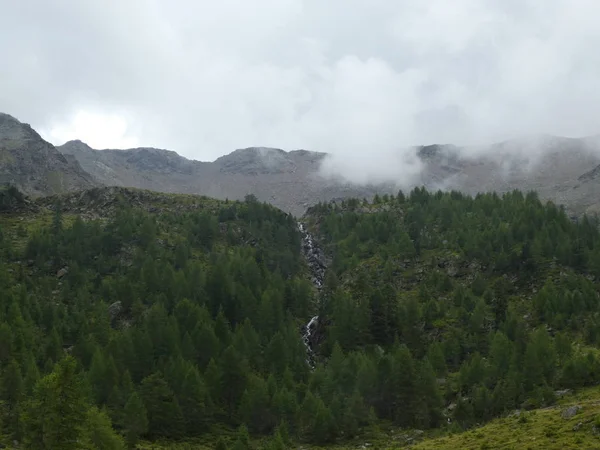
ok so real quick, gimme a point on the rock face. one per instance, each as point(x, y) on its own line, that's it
point(288, 180)
point(559, 169)
point(114, 310)
point(315, 257)
point(35, 166)
point(571, 412)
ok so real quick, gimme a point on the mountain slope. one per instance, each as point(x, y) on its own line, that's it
point(572, 424)
point(288, 180)
point(555, 167)
point(550, 165)
point(492, 300)
point(35, 166)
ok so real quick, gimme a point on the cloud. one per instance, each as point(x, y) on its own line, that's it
point(361, 79)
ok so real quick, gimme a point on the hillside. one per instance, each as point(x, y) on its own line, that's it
point(35, 166)
point(573, 423)
point(181, 317)
point(144, 303)
point(495, 298)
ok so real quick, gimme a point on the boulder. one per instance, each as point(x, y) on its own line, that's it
point(114, 310)
point(571, 411)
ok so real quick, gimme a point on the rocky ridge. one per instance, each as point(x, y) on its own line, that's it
point(35, 166)
point(563, 170)
point(557, 168)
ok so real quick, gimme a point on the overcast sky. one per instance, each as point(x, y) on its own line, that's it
point(353, 77)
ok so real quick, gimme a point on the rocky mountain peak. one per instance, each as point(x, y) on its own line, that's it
point(437, 151)
point(257, 160)
point(559, 169)
point(12, 130)
point(35, 166)
point(154, 159)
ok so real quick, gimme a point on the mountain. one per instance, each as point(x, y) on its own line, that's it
point(35, 166)
point(564, 170)
point(557, 168)
point(288, 180)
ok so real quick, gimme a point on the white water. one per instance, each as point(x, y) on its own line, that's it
point(311, 254)
point(310, 327)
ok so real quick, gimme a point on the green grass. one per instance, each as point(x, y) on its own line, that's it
point(19, 227)
point(538, 429)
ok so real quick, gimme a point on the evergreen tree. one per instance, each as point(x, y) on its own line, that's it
point(55, 417)
point(242, 441)
point(136, 420)
point(165, 418)
point(98, 432)
point(255, 407)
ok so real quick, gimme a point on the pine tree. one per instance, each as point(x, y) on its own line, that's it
point(12, 392)
point(136, 419)
point(255, 407)
point(243, 439)
point(285, 406)
point(435, 355)
point(164, 414)
point(98, 432)
point(195, 402)
point(429, 400)
point(206, 343)
point(233, 373)
point(403, 388)
point(56, 414)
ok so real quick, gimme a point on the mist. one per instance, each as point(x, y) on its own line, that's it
point(365, 81)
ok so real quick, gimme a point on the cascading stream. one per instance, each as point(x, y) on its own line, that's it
point(316, 263)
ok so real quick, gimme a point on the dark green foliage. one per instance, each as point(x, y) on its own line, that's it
point(165, 418)
point(166, 325)
point(454, 279)
point(10, 198)
point(136, 419)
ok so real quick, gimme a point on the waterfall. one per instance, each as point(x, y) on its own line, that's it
point(316, 262)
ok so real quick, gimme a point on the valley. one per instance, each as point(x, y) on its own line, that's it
point(331, 315)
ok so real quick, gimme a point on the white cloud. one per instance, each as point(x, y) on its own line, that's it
point(97, 130)
point(357, 78)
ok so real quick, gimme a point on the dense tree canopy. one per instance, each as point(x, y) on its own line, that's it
point(161, 323)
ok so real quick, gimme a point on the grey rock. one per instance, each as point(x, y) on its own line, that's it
point(562, 392)
point(62, 272)
point(570, 412)
point(115, 309)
